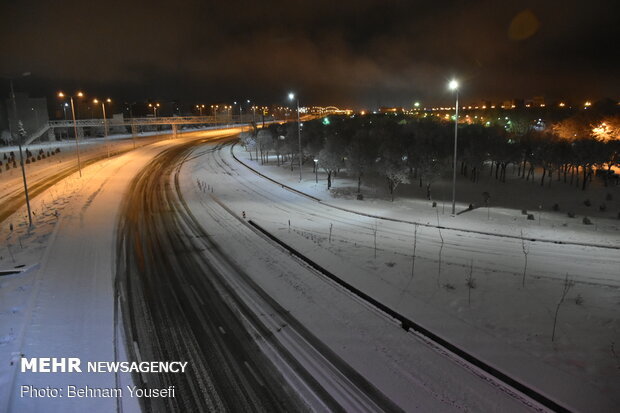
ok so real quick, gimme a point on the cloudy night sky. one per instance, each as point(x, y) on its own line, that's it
point(358, 54)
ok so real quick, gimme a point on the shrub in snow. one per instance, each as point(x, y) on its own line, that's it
point(602, 207)
point(587, 203)
point(530, 217)
point(434, 204)
point(579, 299)
point(486, 197)
point(571, 214)
point(587, 221)
point(524, 211)
point(448, 286)
point(556, 207)
point(28, 160)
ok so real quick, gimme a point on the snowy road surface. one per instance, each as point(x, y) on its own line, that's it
point(195, 282)
point(504, 324)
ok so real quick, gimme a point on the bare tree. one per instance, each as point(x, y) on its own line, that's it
point(471, 282)
point(440, 248)
point(415, 244)
point(566, 286)
point(375, 236)
point(526, 250)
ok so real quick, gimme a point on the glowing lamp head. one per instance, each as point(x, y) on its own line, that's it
point(453, 85)
point(291, 96)
point(80, 94)
point(95, 101)
point(108, 100)
point(61, 95)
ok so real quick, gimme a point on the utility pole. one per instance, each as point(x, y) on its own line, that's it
point(299, 138)
point(75, 130)
point(21, 155)
point(291, 96)
point(455, 86)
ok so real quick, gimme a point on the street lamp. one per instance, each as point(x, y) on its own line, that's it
point(454, 85)
point(214, 110)
point(291, 97)
point(105, 122)
point(65, 105)
point(316, 171)
point(77, 145)
point(154, 106)
point(19, 143)
point(240, 110)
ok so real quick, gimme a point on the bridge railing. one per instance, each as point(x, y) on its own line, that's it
point(173, 120)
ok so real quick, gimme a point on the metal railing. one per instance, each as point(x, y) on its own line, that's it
point(170, 120)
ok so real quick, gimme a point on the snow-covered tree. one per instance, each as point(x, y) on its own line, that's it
point(331, 157)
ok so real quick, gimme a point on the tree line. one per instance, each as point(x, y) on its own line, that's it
point(418, 149)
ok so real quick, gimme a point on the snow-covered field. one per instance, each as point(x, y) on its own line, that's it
point(498, 318)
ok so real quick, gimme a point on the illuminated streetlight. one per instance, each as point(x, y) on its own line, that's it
point(214, 111)
point(154, 106)
point(454, 85)
point(291, 97)
point(316, 171)
point(75, 130)
point(105, 123)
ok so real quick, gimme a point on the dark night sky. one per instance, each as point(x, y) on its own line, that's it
point(356, 53)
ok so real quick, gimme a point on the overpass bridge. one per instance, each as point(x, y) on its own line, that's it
point(136, 123)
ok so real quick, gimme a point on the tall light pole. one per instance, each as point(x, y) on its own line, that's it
point(65, 105)
point(316, 171)
point(240, 110)
point(291, 96)
point(154, 106)
point(105, 123)
point(21, 154)
point(454, 85)
point(75, 130)
point(214, 110)
point(253, 111)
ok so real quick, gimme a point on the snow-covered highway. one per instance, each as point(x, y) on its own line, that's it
point(156, 239)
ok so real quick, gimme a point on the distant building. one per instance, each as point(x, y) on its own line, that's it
point(384, 109)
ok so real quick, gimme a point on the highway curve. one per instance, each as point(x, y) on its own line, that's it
point(176, 305)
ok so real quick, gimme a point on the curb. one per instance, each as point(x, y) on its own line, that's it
point(470, 231)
